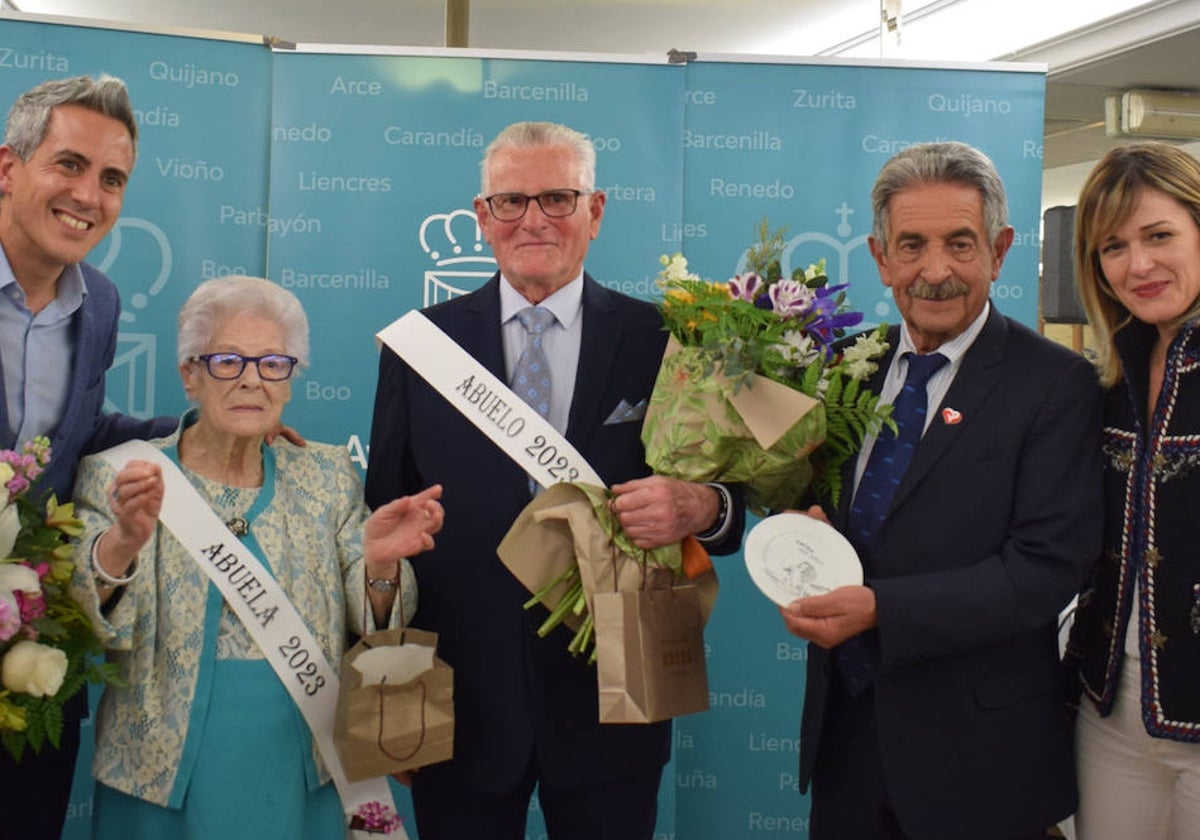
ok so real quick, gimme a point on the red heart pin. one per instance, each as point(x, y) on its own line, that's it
point(951, 416)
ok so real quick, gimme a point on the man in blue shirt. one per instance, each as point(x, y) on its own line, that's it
point(69, 148)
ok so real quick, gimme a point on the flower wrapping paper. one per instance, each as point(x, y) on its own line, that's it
point(697, 428)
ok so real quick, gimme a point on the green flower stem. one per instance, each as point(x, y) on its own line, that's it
point(583, 638)
point(566, 605)
point(570, 574)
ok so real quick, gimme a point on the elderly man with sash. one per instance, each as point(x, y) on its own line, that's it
point(583, 359)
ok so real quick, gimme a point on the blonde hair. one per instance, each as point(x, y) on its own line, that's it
point(1107, 200)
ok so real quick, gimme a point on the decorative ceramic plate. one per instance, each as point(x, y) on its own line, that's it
point(792, 556)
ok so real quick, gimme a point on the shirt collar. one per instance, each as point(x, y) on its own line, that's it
point(566, 303)
point(955, 348)
point(70, 290)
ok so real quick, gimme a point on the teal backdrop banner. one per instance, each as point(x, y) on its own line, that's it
point(348, 177)
point(801, 144)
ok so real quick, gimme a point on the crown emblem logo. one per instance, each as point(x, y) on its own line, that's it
point(808, 247)
point(454, 242)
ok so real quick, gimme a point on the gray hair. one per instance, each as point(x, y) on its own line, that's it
point(940, 163)
point(220, 299)
point(29, 117)
point(532, 135)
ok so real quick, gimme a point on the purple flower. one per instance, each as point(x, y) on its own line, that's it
point(376, 818)
point(745, 286)
point(825, 318)
point(790, 299)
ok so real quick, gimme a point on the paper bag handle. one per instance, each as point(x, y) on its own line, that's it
point(616, 554)
point(420, 741)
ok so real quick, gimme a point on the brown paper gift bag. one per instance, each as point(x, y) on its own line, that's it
point(650, 654)
point(382, 729)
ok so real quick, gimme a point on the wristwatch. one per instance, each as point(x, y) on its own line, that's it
point(382, 584)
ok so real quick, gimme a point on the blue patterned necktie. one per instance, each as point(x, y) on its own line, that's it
point(886, 466)
point(891, 454)
point(531, 377)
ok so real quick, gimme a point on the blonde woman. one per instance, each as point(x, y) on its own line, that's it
point(1136, 638)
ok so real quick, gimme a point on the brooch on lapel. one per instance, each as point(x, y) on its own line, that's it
point(951, 416)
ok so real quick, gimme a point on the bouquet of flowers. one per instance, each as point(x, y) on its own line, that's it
point(46, 639)
point(754, 388)
point(567, 545)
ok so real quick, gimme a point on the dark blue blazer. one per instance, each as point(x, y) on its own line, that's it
point(85, 427)
point(992, 529)
point(513, 692)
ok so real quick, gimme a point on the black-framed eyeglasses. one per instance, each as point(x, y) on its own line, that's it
point(274, 367)
point(510, 206)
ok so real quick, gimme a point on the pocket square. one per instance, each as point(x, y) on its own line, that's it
point(626, 413)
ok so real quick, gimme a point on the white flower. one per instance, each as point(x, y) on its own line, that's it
point(815, 270)
point(18, 576)
point(6, 474)
point(798, 348)
point(34, 669)
point(790, 298)
point(10, 528)
point(860, 369)
point(675, 269)
point(858, 358)
point(866, 346)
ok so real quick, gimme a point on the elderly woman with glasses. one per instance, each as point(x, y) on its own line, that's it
point(204, 739)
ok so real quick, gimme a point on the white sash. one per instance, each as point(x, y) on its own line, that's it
point(260, 603)
point(506, 419)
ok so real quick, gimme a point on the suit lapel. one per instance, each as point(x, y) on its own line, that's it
point(7, 436)
point(977, 376)
point(479, 331)
point(597, 358)
point(87, 346)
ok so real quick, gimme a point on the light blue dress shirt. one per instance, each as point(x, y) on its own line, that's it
point(37, 352)
point(937, 386)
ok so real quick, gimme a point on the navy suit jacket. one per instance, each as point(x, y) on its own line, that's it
point(85, 427)
point(513, 692)
point(992, 529)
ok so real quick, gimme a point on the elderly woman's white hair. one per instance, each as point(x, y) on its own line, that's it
point(220, 299)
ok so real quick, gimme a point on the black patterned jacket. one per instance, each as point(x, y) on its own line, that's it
point(1152, 514)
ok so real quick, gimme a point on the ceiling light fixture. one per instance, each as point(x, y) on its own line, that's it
point(1153, 113)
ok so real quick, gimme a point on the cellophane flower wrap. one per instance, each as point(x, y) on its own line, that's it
point(755, 388)
point(47, 644)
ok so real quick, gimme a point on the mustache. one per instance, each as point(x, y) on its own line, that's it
point(952, 288)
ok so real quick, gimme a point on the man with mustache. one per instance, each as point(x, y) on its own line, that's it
point(934, 698)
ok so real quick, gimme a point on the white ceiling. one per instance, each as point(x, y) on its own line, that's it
point(1155, 45)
